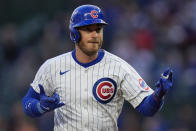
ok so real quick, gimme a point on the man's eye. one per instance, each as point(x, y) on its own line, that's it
point(98, 30)
point(86, 29)
point(91, 30)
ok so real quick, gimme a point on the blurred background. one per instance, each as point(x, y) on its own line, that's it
point(149, 34)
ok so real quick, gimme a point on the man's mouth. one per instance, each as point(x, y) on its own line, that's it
point(94, 42)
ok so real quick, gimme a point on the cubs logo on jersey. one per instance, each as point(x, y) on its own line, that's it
point(104, 90)
point(143, 84)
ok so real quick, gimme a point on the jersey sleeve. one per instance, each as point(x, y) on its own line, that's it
point(43, 77)
point(134, 88)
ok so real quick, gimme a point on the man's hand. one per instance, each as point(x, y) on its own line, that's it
point(164, 84)
point(48, 103)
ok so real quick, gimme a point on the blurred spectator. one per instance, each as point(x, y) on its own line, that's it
point(9, 43)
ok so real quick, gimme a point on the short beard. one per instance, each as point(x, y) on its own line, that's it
point(88, 53)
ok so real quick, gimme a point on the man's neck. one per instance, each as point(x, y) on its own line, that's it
point(82, 57)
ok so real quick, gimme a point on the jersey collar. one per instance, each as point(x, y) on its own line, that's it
point(85, 65)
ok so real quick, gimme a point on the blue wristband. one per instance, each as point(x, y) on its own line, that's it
point(150, 105)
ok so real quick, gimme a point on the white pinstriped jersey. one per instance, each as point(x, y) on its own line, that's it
point(93, 93)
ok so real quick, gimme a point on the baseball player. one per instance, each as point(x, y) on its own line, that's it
point(87, 87)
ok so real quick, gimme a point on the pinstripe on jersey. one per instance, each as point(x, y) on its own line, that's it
point(82, 111)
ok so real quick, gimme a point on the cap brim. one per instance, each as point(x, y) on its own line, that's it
point(90, 22)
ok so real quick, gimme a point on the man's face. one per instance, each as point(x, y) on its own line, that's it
point(91, 39)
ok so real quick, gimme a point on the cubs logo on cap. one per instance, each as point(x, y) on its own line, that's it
point(143, 84)
point(104, 90)
point(94, 14)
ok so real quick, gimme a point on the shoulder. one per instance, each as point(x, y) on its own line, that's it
point(112, 58)
point(60, 57)
point(57, 60)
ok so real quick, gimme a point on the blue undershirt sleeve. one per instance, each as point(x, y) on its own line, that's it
point(150, 105)
point(31, 102)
